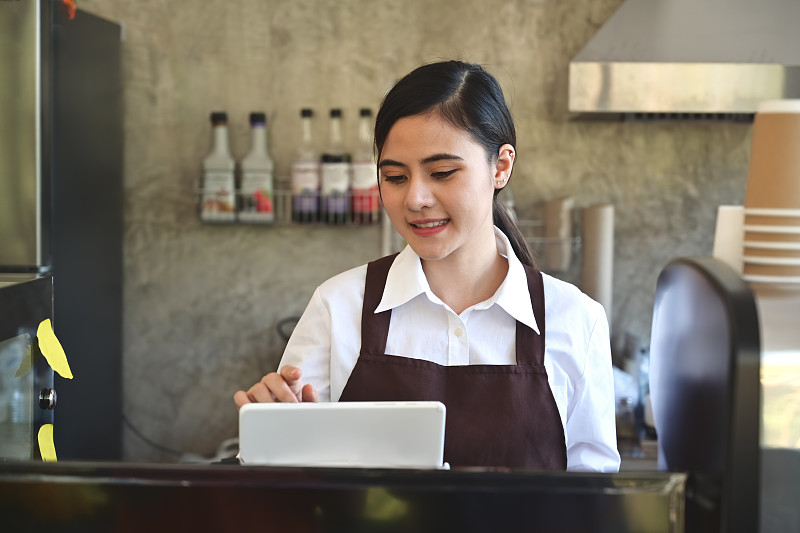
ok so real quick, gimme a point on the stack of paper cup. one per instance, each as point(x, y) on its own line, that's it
point(772, 201)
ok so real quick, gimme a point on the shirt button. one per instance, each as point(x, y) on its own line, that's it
point(458, 332)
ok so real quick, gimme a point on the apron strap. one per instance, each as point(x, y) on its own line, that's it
point(526, 336)
point(375, 327)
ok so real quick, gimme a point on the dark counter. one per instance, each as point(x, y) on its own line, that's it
point(74, 496)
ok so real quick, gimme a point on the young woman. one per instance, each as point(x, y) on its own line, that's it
point(520, 359)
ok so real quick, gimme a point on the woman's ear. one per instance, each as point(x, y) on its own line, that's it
point(504, 165)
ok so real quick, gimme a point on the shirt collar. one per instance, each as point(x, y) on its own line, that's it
point(406, 280)
point(513, 294)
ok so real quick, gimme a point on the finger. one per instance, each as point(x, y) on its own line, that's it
point(280, 389)
point(260, 393)
point(240, 399)
point(290, 374)
point(310, 394)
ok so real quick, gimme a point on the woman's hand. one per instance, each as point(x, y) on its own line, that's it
point(283, 386)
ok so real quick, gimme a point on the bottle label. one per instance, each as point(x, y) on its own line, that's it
point(305, 177)
point(305, 191)
point(335, 182)
point(335, 178)
point(256, 203)
point(366, 199)
point(365, 175)
point(219, 197)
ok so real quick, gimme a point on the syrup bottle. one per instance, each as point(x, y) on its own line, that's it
point(335, 176)
point(305, 175)
point(366, 200)
point(257, 202)
point(219, 187)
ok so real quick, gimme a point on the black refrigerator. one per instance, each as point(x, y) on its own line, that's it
point(61, 209)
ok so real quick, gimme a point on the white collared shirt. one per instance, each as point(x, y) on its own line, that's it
point(327, 340)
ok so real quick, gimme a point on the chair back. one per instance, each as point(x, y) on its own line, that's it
point(705, 389)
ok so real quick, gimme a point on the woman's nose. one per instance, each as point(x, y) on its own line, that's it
point(418, 194)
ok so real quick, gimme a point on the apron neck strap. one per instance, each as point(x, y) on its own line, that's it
point(375, 327)
point(530, 345)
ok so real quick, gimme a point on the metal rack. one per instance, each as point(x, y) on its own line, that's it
point(346, 209)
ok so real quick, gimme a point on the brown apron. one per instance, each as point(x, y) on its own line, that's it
point(497, 415)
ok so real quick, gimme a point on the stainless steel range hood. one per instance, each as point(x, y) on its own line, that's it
point(689, 57)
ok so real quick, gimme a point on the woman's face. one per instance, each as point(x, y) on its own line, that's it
point(437, 187)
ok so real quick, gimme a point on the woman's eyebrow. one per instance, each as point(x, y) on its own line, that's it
point(430, 159)
point(390, 163)
point(441, 157)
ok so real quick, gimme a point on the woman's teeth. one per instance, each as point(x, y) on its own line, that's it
point(432, 224)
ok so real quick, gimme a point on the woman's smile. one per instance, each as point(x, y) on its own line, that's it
point(425, 228)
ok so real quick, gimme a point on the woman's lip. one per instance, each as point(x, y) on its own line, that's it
point(428, 231)
point(429, 221)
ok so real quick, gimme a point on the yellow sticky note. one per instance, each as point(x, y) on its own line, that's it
point(52, 350)
point(46, 446)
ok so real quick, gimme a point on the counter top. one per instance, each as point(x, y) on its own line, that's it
point(132, 496)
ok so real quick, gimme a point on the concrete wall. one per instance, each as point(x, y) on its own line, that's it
point(202, 302)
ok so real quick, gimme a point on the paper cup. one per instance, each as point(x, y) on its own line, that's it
point(781, 221)
point(770, 245)
point(780, 281)
point(773, 179)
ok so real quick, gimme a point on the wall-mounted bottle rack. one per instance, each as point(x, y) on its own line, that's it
point(282, 207)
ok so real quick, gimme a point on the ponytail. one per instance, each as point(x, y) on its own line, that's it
point(509, 227)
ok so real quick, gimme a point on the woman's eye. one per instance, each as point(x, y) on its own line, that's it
point(442, 175)
point(394, 178)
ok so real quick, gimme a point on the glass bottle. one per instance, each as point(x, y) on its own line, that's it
point(335, 174)
point(366, 200)
point(219, 187)
point(257, 202)
point(305, 175)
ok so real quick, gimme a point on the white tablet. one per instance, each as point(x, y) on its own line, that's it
point(346, 434)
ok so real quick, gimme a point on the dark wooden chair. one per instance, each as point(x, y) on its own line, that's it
point(705, 391)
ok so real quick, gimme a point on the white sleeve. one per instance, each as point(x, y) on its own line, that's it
point(591, 421)
point(309, 347)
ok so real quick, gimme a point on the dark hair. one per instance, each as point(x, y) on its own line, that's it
point(469, 98)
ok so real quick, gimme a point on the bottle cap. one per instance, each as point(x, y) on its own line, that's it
point(219, 116)
point(258, 118)
point(365, 112)
point(306, 112)
point(336, 113)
